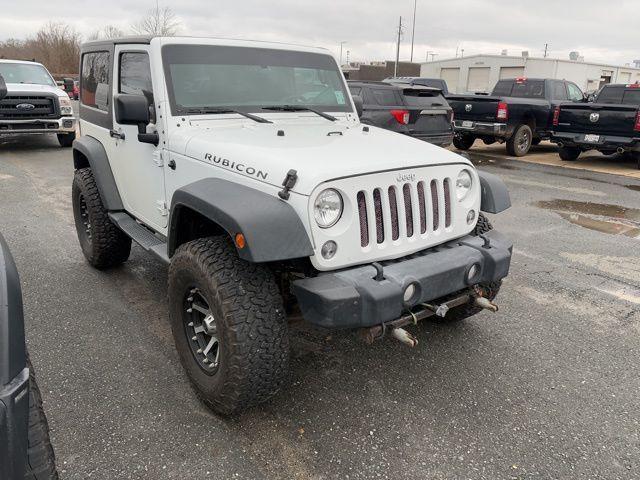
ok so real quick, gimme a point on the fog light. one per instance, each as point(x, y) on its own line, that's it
point(471, 216)
point(473, 272)
point(329, 249)
point(409, 292)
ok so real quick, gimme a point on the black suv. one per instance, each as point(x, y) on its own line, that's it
point(417, 111)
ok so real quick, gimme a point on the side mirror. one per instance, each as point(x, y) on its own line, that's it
point(359, 104)
point(3, 88)
point(134, 110)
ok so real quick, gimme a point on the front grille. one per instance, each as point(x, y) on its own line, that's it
point(405, 206)
point(43, 107)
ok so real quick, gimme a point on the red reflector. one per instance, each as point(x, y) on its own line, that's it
point(634, 85)
point(556, 117)
point(401, 116)
point(521, 79)
point(503, 111)
point(637, 125)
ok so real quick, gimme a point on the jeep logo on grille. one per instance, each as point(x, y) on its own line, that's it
point(25, 106)
point(406, 177)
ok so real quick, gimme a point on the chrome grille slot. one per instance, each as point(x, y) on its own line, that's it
point(407, 211)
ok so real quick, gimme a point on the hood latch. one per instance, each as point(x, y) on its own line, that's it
point(289, 182)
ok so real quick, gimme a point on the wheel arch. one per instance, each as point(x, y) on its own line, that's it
point(271, 227)
point(494, 194)
point(88, 152)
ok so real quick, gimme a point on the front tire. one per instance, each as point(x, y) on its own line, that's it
point(103, 244)
point(463, 141)
point(66, 139)
point(569, 154)
point(520, 142)
point(228, 323)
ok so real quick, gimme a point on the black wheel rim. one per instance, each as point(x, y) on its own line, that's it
point(201, 331)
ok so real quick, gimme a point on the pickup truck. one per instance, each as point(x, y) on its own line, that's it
point(610, 124)
point(519, 112)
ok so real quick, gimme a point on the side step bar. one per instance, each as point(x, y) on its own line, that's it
point(141, 235)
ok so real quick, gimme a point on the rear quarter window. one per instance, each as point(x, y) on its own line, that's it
point(95, 82)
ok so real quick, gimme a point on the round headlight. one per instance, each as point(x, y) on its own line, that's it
point(463, 185)
point(327, 208)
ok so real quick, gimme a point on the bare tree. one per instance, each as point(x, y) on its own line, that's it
point(106, 32)
point(158, 22)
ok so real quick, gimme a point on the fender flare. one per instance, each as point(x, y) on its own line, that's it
point(272, 229)
point(494, 193)
point(91, 149)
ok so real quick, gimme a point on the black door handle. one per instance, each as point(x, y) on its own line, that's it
point(114, 134)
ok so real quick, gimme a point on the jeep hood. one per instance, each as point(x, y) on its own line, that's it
point(318, 151)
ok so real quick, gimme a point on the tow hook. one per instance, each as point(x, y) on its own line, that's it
point(485, 303)
point(404, 337)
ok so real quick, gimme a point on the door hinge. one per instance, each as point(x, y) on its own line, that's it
point(162, 208)
point(157, 158)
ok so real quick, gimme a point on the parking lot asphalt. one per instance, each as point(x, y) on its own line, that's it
point(545, 388)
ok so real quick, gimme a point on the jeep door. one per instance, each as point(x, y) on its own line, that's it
point(137, 166)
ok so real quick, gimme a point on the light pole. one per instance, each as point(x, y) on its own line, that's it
point(341, 45)
point(413, 34)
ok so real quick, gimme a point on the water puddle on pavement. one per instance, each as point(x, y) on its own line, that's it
point(612, 219)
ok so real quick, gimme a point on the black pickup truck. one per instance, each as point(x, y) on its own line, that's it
point(519, 112)
point(610, 124)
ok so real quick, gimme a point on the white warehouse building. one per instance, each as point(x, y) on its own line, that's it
point(479, 73)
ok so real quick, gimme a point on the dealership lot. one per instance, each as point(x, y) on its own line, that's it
point(545, 388)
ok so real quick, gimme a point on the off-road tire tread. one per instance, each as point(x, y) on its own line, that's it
point(41, 464)
point(569, 154)
point(470, 309)
point(463, 142)
point(66, 139)
point(253, 312)
point(111, 246)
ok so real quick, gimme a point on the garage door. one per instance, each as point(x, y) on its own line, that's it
point(451, 76)
point(625, 77)
point(511, 72)
point(478, 79)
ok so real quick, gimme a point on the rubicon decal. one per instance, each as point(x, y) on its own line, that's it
point(238, 167)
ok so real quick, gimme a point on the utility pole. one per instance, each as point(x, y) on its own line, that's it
point(395, 68)
point(413, 34)
point(341, 45)
point(428, 53)
point(546, 48)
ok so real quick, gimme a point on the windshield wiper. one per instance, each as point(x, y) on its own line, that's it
point(297, 108)
point(218, 110)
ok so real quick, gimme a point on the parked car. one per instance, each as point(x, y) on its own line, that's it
point(419, 112)
point(34, 103)
point(74, 90)
point(610, 124)
point(244, 167)
point(25, 448)
point(519, 112)
point(425, 82)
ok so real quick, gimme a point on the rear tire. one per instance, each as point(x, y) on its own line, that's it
point(520, 142)
point(463, 141)
point(66, 139)
point(103, 244)
point(41, 463)
point(213, 294)
point(491, 289)
point(569, 154)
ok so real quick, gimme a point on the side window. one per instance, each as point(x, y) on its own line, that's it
point(559, 91)
point(575, 94)
point(135, 74)
point(95, 80)
point(385, 97)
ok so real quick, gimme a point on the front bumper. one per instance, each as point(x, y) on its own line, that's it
point(605, 142)
point(481, 128)
point(35, 125)
point(352, 298)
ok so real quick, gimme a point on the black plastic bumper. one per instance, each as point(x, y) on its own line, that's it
point(352, 298)
point(441, 140)
point(607, 143)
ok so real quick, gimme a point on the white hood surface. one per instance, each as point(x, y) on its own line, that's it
point(16, 88)
point(319, 150)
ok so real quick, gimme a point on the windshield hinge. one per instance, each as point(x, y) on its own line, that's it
point(288, 183)
point(157, 158)
point(162, 208)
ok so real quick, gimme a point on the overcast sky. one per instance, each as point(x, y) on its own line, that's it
point(601, 31)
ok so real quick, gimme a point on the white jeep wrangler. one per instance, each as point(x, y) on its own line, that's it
point(244, 166)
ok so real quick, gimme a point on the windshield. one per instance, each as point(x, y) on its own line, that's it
point(26, 73)
point(249, 79)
